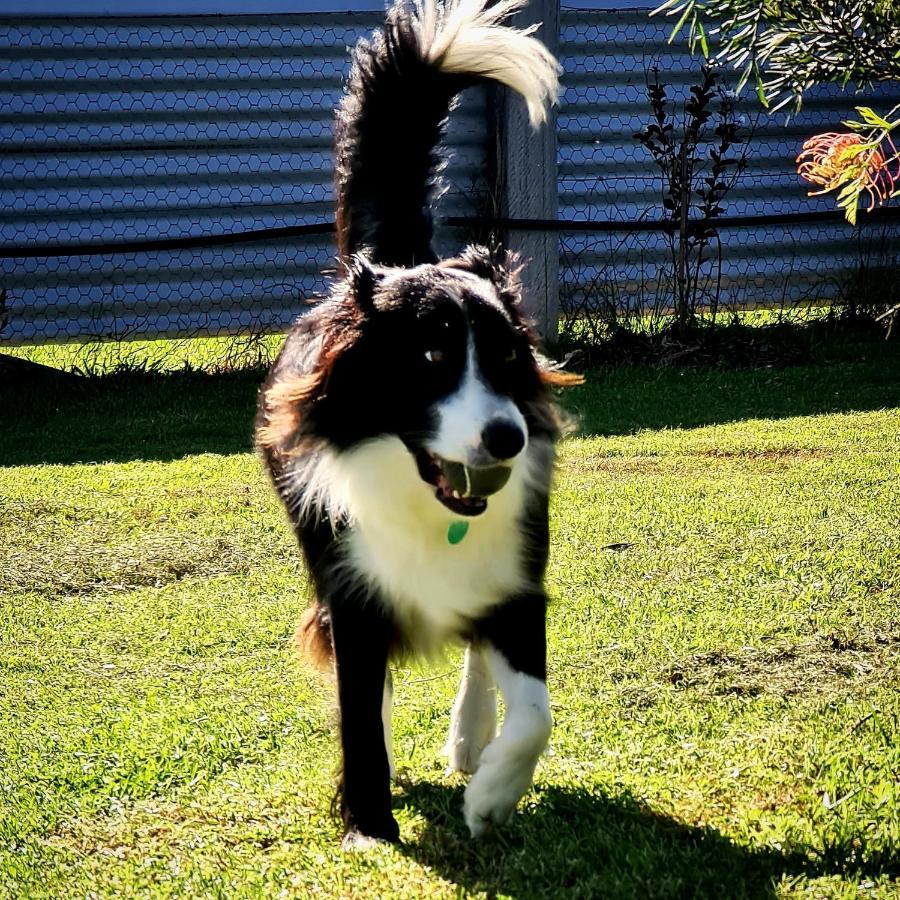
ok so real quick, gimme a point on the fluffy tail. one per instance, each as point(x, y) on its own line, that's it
point(391, 121)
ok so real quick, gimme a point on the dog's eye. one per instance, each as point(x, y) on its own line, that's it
point(434, 356)
point(511, 356)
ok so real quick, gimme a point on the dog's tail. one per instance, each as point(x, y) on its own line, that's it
point(401, 87)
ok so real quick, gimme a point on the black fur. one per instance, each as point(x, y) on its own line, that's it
point(362, 634)
point(389, 127)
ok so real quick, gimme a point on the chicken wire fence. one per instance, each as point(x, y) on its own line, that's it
point(172, 176)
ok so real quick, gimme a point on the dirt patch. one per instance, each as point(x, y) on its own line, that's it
point(154, 562)
point(781, 453)
point(618, 466)
point(823, 664)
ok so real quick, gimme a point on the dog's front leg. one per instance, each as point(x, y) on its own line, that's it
point(517, 655)
point(473, 719)
point(362, 637)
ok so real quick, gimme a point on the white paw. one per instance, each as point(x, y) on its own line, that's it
point(473, 720)
point(469, 735)
point(463, 754)
point(506, 766)
point(354, 842)
point(496, 788)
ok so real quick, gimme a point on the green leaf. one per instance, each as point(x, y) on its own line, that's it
point(870, 117)
point(761, 93)
point(704, 45)
point(687, 11)
point(849, 192)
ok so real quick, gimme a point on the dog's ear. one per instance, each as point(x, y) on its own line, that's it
point(481, 261)
point(362, 279)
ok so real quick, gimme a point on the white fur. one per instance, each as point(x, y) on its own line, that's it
point(314, 484)
point(398, 540)
point(466, 36)
point(473, 719)
point(507, 764)
point(387, 698)
point(464, 414)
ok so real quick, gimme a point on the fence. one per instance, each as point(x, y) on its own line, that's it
point(172, 176)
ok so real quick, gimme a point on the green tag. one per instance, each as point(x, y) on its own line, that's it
point(457, 531)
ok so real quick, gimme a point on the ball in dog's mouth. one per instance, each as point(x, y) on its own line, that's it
point(462, 489)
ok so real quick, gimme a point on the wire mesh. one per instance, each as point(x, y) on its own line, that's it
point(138, 156)
point(173, 176)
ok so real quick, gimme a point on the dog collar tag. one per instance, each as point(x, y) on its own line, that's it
point(457, 531)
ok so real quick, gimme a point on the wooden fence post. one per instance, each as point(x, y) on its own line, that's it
point(526, 173)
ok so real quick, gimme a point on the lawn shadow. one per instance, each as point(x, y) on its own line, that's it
point(134, 415)
point(626, 400)
point(571, 842)
point(153, 415)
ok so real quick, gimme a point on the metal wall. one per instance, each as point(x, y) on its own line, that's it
point(604, 174)
point(125, 129)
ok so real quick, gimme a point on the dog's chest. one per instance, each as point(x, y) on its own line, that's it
point(398, 544)
point(433, 585)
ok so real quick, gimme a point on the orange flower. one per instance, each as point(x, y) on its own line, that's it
point(835, 159)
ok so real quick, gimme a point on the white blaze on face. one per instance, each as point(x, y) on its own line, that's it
point(463, 416)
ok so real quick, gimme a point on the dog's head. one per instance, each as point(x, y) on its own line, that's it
point(439, 356)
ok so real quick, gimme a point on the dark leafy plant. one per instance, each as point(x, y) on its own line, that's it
point(699, 154)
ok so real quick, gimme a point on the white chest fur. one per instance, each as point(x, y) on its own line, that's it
point(398, 542)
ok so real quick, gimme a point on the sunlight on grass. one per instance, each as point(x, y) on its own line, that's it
point(725, 654)
point(201, 353)
point(230, 352)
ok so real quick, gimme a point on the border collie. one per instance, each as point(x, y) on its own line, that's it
point(408, 427)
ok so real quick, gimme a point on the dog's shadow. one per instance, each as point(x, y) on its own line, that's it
point(574, 843)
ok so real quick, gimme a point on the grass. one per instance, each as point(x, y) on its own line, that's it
point(725, 644)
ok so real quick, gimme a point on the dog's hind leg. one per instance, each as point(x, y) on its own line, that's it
point(473, 719)
point(516, 654)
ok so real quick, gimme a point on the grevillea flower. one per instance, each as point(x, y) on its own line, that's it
point(846, 160)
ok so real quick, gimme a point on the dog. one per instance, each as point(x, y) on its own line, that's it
point(408, 427)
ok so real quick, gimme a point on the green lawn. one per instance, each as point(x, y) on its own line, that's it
point(725, 646)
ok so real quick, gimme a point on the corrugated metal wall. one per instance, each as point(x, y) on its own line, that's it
point(133, 129)
point(604, 174)
point(126, 129)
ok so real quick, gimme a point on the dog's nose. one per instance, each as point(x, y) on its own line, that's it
point(502, 439)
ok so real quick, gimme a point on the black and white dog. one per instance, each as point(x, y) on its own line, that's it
point(409, 431)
